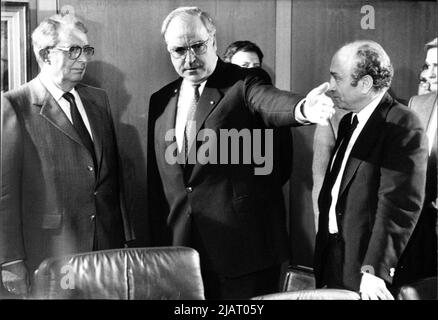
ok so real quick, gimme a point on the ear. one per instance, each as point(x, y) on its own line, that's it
point(44, 55)
point(214, 42)
point(366, 83)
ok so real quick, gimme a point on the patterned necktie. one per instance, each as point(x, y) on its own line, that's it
point(79, 125)
point(190, 128)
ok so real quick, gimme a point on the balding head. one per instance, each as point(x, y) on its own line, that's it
point(368, 58)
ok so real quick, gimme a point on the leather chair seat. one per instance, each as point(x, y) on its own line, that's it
point(315, 294)
point(159, 273)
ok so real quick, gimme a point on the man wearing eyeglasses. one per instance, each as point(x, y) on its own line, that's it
point(59, 164)
point(234, 218)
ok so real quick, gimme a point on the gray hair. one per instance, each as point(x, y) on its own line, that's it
point(372, 60)
point(46, 35)
point(189, 11)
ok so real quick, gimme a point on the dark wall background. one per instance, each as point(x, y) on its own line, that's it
point(131, 63)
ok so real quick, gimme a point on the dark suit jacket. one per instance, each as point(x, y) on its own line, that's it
point(419, 260)
point(235, 219)
point(381, 194)
point(53, 201)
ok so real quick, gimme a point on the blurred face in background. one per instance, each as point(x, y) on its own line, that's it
point(246, 59)
point(430, 69)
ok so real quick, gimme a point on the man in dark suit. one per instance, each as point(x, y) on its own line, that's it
point(420, 257)
point(59, 167)
point(374, 185)
point(231, 213)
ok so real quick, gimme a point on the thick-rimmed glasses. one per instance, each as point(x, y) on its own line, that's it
point(75, 52)
point(197, 49)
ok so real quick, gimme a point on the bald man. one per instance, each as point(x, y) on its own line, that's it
point(373, 188)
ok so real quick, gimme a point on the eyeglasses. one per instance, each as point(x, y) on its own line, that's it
point(75, 52)
point(197, 49)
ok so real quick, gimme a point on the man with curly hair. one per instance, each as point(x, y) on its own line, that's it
point(373, 188)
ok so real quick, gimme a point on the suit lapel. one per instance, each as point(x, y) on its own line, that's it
point(166, 122)
point(51, 111)
point(366, 141)
point(95, 120)
point(428, 113)
point(209, 99)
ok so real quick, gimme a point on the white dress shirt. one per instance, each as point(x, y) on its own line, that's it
point(362, 118)
point(185, 98)
point(57, 94)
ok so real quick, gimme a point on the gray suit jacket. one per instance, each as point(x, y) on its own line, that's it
point(419, 260)
point(53, 200)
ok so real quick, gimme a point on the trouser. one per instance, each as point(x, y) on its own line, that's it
point(332, 272)
point(250, 285)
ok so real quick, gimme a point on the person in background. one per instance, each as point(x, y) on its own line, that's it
point(428, 76)
point(233, 217)
point(244, 53)
point(60, 190)
point(247, 54)
point(373, 190)
point(420, 257)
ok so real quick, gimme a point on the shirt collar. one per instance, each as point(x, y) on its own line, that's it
point(364, 114)
point(187, 84)
point(54, 90)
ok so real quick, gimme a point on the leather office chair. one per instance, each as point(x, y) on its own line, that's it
point(315, 294)
point(423, 289)
point(159, 273)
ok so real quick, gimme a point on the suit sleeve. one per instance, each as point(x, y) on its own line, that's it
point(275, 107)
point(400, 195)
point(11, 238)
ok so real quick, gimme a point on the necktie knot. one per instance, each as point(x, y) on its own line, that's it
point(196, 94)
point(353, 124)
point(69, 97)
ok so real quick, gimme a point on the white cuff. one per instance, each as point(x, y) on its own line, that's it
point(299, 116)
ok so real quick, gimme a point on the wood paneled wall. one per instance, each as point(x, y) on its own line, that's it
point(131, 63)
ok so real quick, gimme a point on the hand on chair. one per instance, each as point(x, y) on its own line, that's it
point(16, 279)
point(373, 288)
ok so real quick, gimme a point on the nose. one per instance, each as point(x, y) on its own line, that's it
point(332, 86)
point(83, 57)
point(190, 57)
point(430, 72)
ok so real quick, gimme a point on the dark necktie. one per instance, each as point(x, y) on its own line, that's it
point(190, 128)
point(346, 129)
point(79, 125)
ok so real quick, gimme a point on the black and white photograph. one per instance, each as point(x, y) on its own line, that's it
point(228, 152)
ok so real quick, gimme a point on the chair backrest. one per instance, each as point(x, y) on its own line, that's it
point(315, 294)
point(424, 289)
point(158, 273)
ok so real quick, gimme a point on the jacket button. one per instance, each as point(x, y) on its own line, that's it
point(92, 217)
point(189, 189)
point(90, 168)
